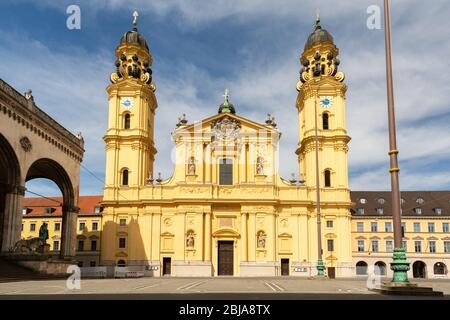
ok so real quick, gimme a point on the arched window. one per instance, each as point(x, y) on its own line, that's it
point(125, 177)
point(121, 263)
point(127, 119)
point(327, 175)
point(325, 121)
point(380, 268)
point(440, 268)
point(361, 268)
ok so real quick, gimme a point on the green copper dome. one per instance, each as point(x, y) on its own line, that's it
point(226, 106)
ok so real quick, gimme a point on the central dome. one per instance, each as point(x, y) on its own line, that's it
point(318, 36)
point(134, 37)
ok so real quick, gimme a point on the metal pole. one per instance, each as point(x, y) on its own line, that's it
point(399, 265)
point(320, 266)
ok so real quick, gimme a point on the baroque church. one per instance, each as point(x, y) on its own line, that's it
point(226, 210)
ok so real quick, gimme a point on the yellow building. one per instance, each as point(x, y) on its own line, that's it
point(38, 210)
point(226, 210)
point(426, 232)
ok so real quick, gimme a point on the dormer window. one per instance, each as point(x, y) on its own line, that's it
point(97, 210)
point(360, 210)
point(381, 201)
point(24, 211)
point(418, 210)
point(437, 210)
point(48, 210)
point(363, 200)
point(420, 200)
point(380, 210)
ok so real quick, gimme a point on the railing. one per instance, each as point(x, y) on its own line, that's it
point(126, 272)
point(93, 272)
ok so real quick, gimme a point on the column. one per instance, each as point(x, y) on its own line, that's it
point(12, 218)
point(208, 239)
point(251, 237)
point(244, 239)
point(69, 232)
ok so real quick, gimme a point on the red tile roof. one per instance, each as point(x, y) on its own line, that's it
point(36, 206)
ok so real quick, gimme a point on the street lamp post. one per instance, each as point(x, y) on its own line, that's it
point(399, 265)
point(320, 265)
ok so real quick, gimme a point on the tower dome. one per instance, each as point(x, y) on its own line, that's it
point(226, 106)
point(319, 35)
point(134, 36)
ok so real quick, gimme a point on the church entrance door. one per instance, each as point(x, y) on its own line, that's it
point(225, 257)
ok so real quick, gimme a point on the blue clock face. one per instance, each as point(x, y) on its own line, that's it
point(126, 103)
point(326, 102)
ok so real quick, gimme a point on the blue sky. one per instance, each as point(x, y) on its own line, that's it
point(251, 47)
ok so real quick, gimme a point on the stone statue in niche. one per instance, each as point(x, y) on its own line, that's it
point(261, 240)
point(191, 165)
point(190, 239)
point(260, 165)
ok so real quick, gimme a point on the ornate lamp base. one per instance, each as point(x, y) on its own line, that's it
point(320, 268)
point(400, 267)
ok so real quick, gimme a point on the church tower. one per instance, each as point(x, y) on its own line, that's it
point(321, 105)
point(130, 149)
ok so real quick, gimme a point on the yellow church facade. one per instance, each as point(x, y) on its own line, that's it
point(226, 210)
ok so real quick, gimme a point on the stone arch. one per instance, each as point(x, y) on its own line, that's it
point(440, 268)
point(380, 268)
point(419, 269)
point(361, 268)
point(50, 169)
point(10, 189)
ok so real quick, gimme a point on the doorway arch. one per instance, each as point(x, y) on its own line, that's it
point(10, 188)
point(380, 268)
point(50, 169)
point(419, 269)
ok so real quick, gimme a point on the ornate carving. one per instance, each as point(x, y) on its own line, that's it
point(168, 222)
point(260, 165)
point(261, 240)
point(226, 130)
point(191, 166)
point(190, 239)
point(25, 143)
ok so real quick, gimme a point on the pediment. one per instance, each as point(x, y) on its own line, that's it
point(226, 232)
point(167, 234)
point(285, 235)
point(121, 254)
point(330, 236)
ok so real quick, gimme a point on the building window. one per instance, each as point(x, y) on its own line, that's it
point(418, 246)
point(327, 175)
point(360, 226)
point(440, 268)
point(437, 210)
point(93, 244)
point(325, 121)
point(361, 268)
point(431, 227)
point(418, 210)
point(388, 226)
point(92, 263)
point(360, 245)
point(380, 210)
point(381, 200)
point(389, 246)
point(55, 245)
point(122, 243)
point(447, 246)
point(374, 227)
point(329, 224)
point(363, 200)
point(80, 245)
point(374, 245)
point(226, 172)
point(405, 245)
point(330, 244)
point(21, 228)
point(445, 227)
point(94, 226)
point(125, 177)
point(48, 210)
point(404, 227)
point(432, 246)
point(123, 222)
point(420, 201)
point(97, 210)
point(80, 264)
point(127, 121)
point(32, 226)
point(416, 226)
point(82, 226)
point(57, 226)
point(360, 210)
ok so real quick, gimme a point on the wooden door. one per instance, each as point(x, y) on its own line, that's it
point(331, 272)
point(167, 263)
point(225, 258)
point(284, 267)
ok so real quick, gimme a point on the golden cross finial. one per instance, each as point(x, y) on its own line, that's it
point(135, 15)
